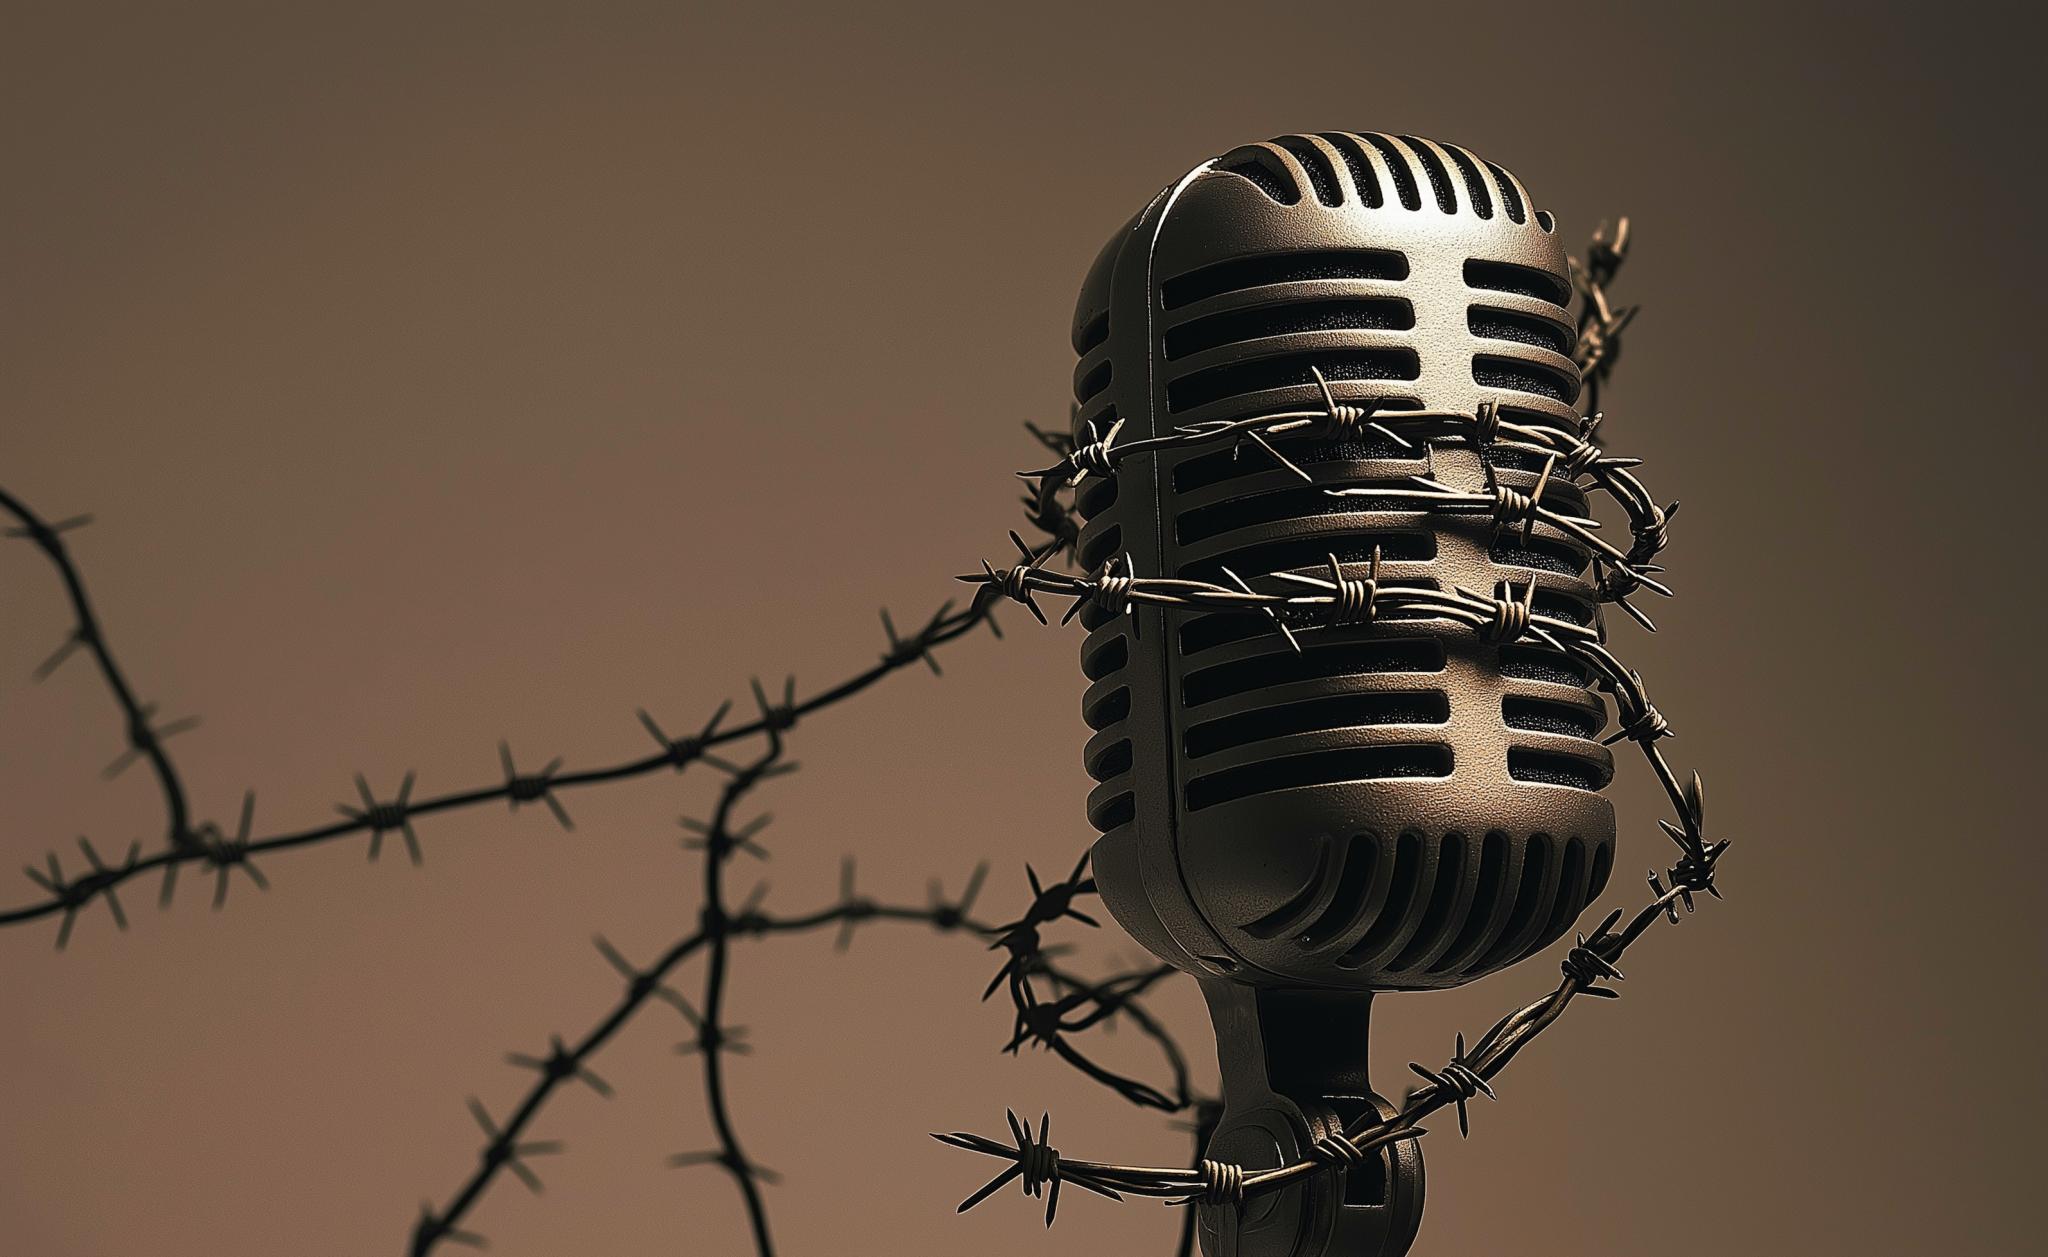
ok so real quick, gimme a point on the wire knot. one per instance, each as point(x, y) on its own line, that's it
point(1336, 1148)
point(1223, 1183)
point(1511, 616)
point(1113, 590)
point(1486, 424)
point(1586, 967)
point(1646, 726)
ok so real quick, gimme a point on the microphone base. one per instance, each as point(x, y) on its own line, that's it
point(1294, 1069)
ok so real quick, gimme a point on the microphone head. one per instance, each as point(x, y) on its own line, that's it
point(1398, 805)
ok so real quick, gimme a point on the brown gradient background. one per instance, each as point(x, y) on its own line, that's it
point(439, 373)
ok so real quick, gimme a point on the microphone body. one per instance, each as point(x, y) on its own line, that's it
point(1396, 805)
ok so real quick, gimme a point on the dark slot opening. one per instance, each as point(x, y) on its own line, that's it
point(1540, 663)
point(1450, 876)
point(1093, 332)
point(1322, 176)
point(1439, 178)
point(1556, 770)
point(1115, 812)
point(1365, 1184)
point(1523, 377)
point(1361, 857)
point(1231, 327)
point(1314, 663)
point(1114, 760)
point(1259, 375)
point(1603, 864)
point(1293, 552)
point(1355, 161)
point(1571, 895)
point(1106, 658)
point(1548, 717)
point(1112, 707)
point(1561, 606)
point(1397, 166)
point(1281, 268)
point(1508, 196)
point(1097, 546)
point(1526, 280)
point(1094, 382)
point(1493, 880)
point(1342, 711)
point(1350, 763)
point(1302, 502)
point(1527, 329)
point(1545, 221)
point(1097, 493)
point(1540, 553)
point(1536, 858)
point(1475, 185)
point(1206, 631)
point(1400, 896)
point(1260, 169)
point(1281, 919)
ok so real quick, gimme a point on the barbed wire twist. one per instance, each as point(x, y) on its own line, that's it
point(1335, 598)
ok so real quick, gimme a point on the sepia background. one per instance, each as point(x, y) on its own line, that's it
point(443, 373)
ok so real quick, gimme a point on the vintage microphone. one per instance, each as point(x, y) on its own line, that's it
point(1389, 806)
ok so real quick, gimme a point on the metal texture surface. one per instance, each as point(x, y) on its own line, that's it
point(1390, 806)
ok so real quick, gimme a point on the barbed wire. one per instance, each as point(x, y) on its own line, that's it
point(1338, 598)
point(508, 1147)
point(207, 845)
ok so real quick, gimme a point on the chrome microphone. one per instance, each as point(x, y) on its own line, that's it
point(1387, 806)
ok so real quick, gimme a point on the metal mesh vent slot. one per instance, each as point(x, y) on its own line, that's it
point(1308, 501)
point(1106, 658)
point(1362, 177)
point(1526, 280)
point(1114, 761)
point(1509, 197)
point(1304, 552)
point(1265, 171)
point(1116, 811)
point(1100, 545)
point(1439, 178)
point(1322, 176)
point(1537, 857)
point(1353, 894)
point(1259, 375)
point(1540, 663)
point(1560, 606)
point(1493, 881)
point(1556, 770)
point(1475, 185)
point(1570, 899)
point(1315, 663)
point(1280, 268)
point(1109, 709)
point(1492, 324)
point(1318, 768)
point(1397, 166)
point(1407, 879)
point(1217, 466)
point(1233, 326)
point(1523, 377)
point(1344, 711)
point(1094, 382)
point(1544, 716)
point(1450, 876)
point(1540, 553)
